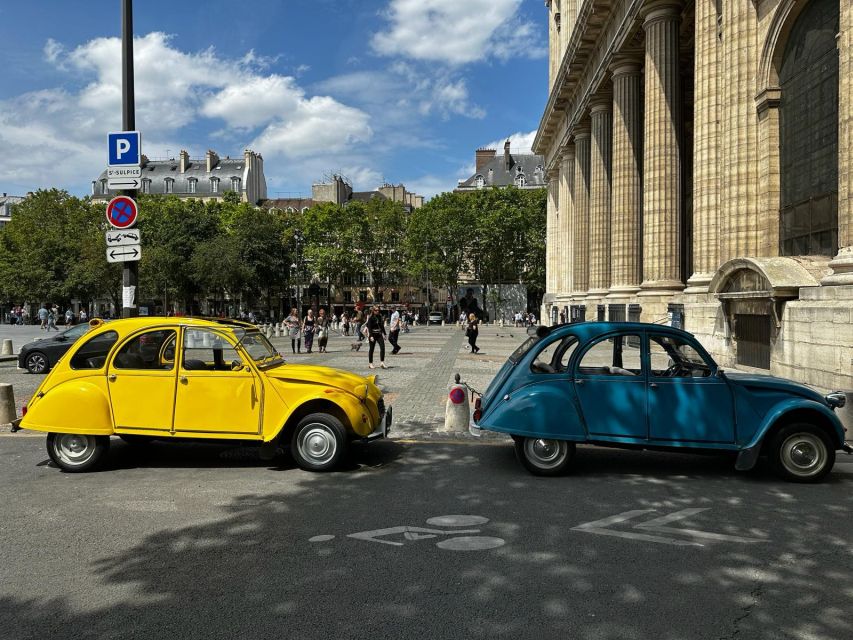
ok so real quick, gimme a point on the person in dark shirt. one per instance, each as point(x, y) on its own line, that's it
point(376, 334)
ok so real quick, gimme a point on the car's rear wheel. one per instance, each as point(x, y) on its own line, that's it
point(37, 362)
point(802, 453)
point(77, 453)
point(319, 442)
point(545, 456)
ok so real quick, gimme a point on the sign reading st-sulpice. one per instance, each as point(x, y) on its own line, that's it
point(125, 148)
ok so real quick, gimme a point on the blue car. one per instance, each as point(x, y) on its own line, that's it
point(647, 386)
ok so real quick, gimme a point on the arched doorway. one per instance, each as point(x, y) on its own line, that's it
point(808, 133)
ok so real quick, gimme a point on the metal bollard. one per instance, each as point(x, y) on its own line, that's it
point(457, 412)
point(6, 349)
point(7, 404)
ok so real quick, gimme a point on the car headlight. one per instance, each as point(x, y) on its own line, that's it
point(836, 399)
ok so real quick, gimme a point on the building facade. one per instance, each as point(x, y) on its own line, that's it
point(6, 203)
point(207, 178)
point(523, 170)
point(698, 159)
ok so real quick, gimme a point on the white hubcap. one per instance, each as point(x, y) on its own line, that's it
point(74, 449)
point(317, 443)
point(804, 454)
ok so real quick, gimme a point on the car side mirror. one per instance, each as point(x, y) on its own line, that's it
point(236, 365)
point(61, 338)
point(720, 373)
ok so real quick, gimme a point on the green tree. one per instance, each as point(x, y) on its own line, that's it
point(330, 233)
point(380, 226)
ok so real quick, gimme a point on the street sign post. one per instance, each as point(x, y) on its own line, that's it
point(122, 212)
point(125, 238)
point(129, 177)
point(125, 149)
point(128, 253)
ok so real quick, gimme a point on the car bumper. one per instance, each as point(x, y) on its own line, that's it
point(384, 427)
point(846, 446)
point(16, 425)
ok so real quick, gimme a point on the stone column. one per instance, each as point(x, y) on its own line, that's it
point(601, 118)
point(580, 284)
point(706, 203)
point(569, 16)
point(662, 151)
point(567, 175)
point(842, 264)
point(627, 191)
point(551, 238)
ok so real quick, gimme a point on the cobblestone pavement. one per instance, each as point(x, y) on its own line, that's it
point(415, 383)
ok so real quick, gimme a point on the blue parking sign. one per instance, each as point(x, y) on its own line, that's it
point(124, 148)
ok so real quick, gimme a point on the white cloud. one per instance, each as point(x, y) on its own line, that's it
point(455, 32)
point(519, 142)
point(174, 89)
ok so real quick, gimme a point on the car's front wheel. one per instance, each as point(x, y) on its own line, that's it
point(37, 362)
point(77, 453)
point(802, 453)
point(545, 456)
point(319, 442)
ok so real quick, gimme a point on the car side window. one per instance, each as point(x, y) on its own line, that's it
point(92, 354)
point(146, 351)
point(675, 357)
point(613, 356)
point(555, 356)
point(206, 350)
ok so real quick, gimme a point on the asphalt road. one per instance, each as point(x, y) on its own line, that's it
point(204, 541)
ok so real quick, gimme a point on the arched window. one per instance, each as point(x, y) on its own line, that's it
point(479, 182)
point(235, 184)
point(520, 180)
point(808, 133)
point(192, 184)
point(170, 185)
point(146, 185)
point(214, 185)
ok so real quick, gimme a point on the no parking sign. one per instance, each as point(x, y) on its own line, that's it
point(122, 212)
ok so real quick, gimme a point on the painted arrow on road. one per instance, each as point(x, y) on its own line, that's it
point(657, 526)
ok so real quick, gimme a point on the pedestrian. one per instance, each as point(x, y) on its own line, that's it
point(359, 320)
point(52, 317)
point(43, 314)
point(345, 322)
point(308, 323)
point(334, 321)
point(472, 332)
point(293, 331)
point(394, 332)
point(376, 334)
point(83, 316)
point(69, 317)
point(323, 326)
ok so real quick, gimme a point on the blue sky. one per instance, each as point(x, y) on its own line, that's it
point(378, 90)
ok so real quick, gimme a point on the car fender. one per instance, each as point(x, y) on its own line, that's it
point(543, 409)
point(359, 417)
point(786, 407)
point(77, 406)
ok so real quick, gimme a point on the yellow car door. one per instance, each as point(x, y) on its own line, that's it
point(218, 394)
point(141, 381)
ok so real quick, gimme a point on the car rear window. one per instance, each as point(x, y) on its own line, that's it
point(92, 354)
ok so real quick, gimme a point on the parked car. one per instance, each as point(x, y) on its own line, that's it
point(435, 318)
point(644, 386)
point(39, 356)
point(187, 378)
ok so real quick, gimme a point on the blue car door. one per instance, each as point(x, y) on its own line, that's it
point(611, 387)
point(687, 402)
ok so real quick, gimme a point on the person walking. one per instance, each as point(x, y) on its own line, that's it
point(345, 322)
point(472, 332)
point(323, 326)
point(359, 320)
point(376, 334)
point(83, 316)
point(394, 332)
point(52, 317)
point(69, 317)
point(293, 331)
point(43, 314)
point(308, 330)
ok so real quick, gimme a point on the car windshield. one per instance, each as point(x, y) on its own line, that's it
point(75, 332)
point(259, 348)
point(536, 334)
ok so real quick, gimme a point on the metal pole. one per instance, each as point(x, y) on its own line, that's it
point(130, 271)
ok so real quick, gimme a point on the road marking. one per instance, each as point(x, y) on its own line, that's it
point(659, 525)
point(409, 533)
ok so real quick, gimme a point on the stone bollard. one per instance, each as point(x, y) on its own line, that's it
point(7, 404)
point(457, 415)
point(269, 331)
point(277, 330)
point(442, 323)
point(6, 350)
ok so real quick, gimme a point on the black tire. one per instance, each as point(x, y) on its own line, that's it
point(37, 362)
point(801, 452)
point(137, 441)
point(77, 453)
point(543, 456)
point(319, 442)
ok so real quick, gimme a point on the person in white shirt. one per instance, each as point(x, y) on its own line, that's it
point(394, 331)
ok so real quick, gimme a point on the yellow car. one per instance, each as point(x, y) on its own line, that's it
point(170, 378)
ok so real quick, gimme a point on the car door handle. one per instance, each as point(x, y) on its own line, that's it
point(653, 385)
point(112, 377)
point(184, 379)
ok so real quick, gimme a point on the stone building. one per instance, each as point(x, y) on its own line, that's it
point(338, 189)
point(6, 203)
point(698, 156)
point(524, 170)
point(207, 178)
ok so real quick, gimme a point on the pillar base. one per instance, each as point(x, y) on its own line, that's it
point(661, 288)
point(597, 293)
point(842, 268)
point(698, 283)
point(625, 291)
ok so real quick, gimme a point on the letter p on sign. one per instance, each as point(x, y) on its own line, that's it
point(124, 149)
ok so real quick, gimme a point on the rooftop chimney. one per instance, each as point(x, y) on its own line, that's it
point(184, 161)
point(210, 160)
point(482, 157)
point(507, 157)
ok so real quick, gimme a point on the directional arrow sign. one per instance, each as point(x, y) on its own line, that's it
point(123, 183)
point(123, 238)
point(129, 253)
